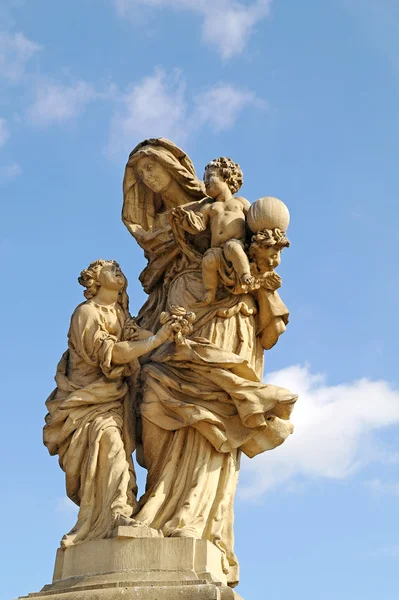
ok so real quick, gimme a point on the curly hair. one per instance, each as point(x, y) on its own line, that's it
point(268, 238)
point(230, 171)
point(89, 278)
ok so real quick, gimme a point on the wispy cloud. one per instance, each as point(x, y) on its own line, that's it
point(334, 435)
point(226, 24)
point(15, 51)
point(154, 106)
point(384, 552)
point(9, 171)
point(4, 133)
point(158, 106)
point(57, 102)
point(220, 105)
point(390, 488)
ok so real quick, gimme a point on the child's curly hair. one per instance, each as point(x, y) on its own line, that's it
point(230, 171)
point(266, 239)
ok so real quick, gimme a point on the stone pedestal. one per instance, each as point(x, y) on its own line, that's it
point(125, 568)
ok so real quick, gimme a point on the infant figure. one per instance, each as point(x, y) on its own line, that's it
point(227, 219)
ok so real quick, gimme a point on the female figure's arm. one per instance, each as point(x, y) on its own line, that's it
point(126, 352)
point(137, 231)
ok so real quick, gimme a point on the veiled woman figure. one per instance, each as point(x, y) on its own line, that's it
point(89, 423)
point(202, 402)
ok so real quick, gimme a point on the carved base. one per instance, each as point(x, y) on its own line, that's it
point(127, 568)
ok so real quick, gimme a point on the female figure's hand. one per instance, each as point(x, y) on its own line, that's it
point(165, 333)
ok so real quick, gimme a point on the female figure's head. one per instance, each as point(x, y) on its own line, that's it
point(153, 174)
point(158, 175)
point(105, 274)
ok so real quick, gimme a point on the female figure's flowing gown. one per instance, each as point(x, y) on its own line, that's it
point(88, 426)
point(202, 403)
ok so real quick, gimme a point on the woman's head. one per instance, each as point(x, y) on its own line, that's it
point(151, 168)
point(153, 174)
point(106, 274)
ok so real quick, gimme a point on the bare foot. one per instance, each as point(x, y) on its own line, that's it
point(68, 540)
point(185, 532)
point(122, 521)
point(247, 279)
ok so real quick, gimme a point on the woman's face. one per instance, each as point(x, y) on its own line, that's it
point(111, 277)
point(153, 174)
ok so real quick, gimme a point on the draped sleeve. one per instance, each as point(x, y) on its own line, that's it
point(92, 342)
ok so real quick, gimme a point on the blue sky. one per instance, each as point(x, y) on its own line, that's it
point(305, 96)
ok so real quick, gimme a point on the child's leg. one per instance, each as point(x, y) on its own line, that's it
point(210, 277)
point(235, 253)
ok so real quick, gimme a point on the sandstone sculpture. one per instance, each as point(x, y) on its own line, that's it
point(201, 403)
point(90, 416)
point(181, 384)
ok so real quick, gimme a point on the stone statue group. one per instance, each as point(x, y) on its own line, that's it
point(180, 384)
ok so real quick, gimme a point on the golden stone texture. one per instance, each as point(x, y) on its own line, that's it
point(180, 384)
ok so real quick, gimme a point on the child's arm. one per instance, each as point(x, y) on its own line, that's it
point(245, 204)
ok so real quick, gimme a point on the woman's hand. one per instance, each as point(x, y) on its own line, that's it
point(165, 333)
point(179, 212)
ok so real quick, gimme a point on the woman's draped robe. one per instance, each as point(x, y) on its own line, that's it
point(89, 425)
point(202, 404)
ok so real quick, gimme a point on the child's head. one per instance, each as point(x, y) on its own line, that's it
point(227, 170)
point(266, 246)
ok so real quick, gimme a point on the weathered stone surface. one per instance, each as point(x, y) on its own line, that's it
point(142, 559)
point(139, 569)
point(175, 592)
point(192, 404)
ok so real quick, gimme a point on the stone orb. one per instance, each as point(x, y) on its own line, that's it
point(268, 213)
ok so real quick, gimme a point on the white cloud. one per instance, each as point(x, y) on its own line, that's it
point(9, 172)
point(4, 133)
point(157, 106)
point(334, 435)
point(390, 488)
point(220, 105)
point(15, 51)
point(226, 24)
point(57, 103)
point(153, 107)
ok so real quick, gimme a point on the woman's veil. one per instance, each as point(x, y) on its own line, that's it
point(140, 204)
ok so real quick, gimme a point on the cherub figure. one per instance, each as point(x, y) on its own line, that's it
point(265, 255)
point(226, 217)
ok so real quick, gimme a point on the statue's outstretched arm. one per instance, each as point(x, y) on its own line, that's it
point(126, 352)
